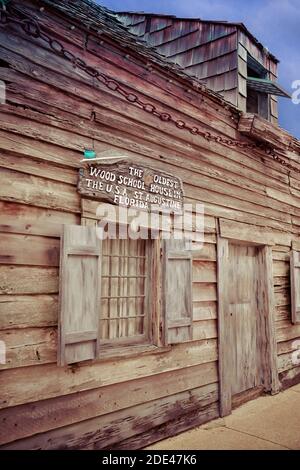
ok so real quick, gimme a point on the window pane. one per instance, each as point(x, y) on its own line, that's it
point(123, 298)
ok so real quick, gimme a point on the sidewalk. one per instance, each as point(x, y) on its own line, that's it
point(269, 422)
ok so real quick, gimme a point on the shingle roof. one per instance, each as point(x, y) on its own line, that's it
point(102, 21)
point(239, 25)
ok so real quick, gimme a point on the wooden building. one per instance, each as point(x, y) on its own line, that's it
point(225, 56)
point(120, 343)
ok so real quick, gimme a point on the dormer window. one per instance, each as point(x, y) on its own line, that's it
point(259, 88)
point(225, 56)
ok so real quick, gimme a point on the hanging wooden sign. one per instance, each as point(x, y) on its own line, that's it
point(128, 184)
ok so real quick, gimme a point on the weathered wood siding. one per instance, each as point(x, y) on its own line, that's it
point(206, 50)
point(213, 51)
point(53, 112)
point(246, 45)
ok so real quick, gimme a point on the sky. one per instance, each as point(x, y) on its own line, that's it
point(275, 23)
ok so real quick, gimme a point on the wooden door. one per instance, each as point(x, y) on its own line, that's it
point(243, 314)
point(246, 322)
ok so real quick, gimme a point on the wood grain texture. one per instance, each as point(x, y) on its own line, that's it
point(242, 272)
point(54, 112)
point(36, 191)
point(17, 279)
point(104, 431)
point(42, 416)
point(177, 294)
point(43, 309)
point(28, 250)
point(244, 233)
point(34, 383)
point(80, 293)
point(295, 285)
point(29, 347)
point(225, 355)
point(142, 186)
point(266, 321)
point(170, 428)
point(289, 378)
point(15, 213)
point(263, 130)
point(42, 229)
point(31, 166)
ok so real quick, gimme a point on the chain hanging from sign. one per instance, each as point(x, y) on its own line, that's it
point(32, 28)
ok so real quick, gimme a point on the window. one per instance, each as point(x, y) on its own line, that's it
point(259, 88)
point(295, 286)
point(118, 293)
point(257, 101)
point(124, 309)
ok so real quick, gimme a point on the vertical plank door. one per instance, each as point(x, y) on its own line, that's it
point(242, 293)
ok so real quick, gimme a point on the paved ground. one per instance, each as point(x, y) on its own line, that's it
point(265, 423)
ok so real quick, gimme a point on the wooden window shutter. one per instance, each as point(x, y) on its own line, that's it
point(178, 291)
point(295, 285)
point(80, 281)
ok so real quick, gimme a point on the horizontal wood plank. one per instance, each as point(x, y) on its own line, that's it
point(204, 271)
point(12, 213)
point(34, 383)
point(41, 416)
point(246, 233)
point(102, 432)
point(28, 280)
point(29, 250)
point(29, 347)
point(36, 191)
point(206, 310)
point(25, 311)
